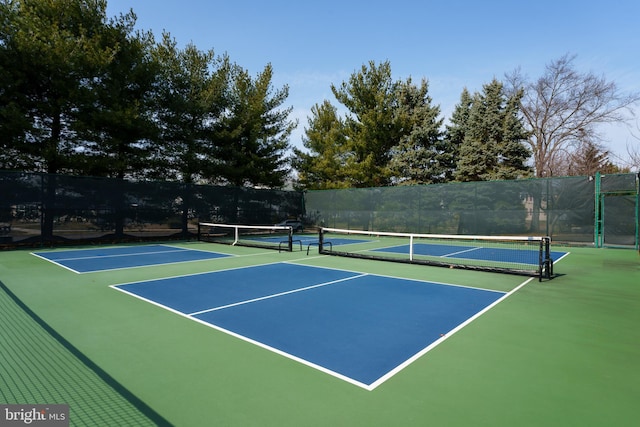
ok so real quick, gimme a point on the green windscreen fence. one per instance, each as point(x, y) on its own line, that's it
point(42, 208)
point(563, 208)
point(600, 210)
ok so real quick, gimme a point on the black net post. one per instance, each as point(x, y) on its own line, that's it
point(548, 261)
point(541, 261)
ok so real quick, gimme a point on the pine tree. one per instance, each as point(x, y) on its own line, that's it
point(455, 133)
point(325, 139)
point(419, 157)
point(50, 52)
point(391, 134)
point(116, 123)
point(253, 134)
point(514, 154)
point(189, 102)
point(371, 131)
point(492, 147)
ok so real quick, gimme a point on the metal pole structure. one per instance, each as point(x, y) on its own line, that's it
point(638, 211)
point(597, 229)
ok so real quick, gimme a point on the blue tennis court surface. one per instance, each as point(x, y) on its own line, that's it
point(112, 258)
point(311, 240)
point(472, 253)
point(359, 327)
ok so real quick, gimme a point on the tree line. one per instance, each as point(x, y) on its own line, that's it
point(84, 94)
point(393, 134)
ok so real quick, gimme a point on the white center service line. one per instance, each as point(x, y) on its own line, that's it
point(275, 295)
point(460, 252)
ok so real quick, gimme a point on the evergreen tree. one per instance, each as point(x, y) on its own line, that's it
point(514, 152)
point(371, 129)
point(253, 134)
point(14, 123)
point(322, 166)
point(50, 52)
point(190, 100)
point(419, 157)
point(455, 133)
point(391, 134)
point(116, 125)
point(53, 54)
point(492, 147)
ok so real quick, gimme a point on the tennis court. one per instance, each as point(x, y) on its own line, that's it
point(112, 258)
point(308, 314)
point(195, 333)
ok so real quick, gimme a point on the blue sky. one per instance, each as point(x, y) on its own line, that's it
point(453, 44)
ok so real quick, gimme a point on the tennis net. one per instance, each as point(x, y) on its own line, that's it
point(261, 236)
point(507, 254)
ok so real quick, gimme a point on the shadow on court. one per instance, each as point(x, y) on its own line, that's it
point(39, 366)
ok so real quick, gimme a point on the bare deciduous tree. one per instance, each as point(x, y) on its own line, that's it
point(563, 109)
point(633, 150)
point(634, 157)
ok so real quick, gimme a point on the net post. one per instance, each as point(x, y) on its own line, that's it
point(548, 260)
point(290, 239)
point(320, 240)
point(546, 263)
point(199, 236)
point(237, 236)
point(540, 260)
point(411, 248)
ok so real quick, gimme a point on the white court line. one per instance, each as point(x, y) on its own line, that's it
point(55, 263)
point(120, 255)
point(460, 252)
point(425, 281)
point(201, 272)
point(152, 265)
point(368, 387)
point(176, 249)
point(249, 340)
point(563, 256)
point(276, 295)
point(436, 343)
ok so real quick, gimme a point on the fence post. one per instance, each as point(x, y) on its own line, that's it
point(597, 228)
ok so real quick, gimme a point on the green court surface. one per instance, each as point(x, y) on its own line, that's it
point(561, 352)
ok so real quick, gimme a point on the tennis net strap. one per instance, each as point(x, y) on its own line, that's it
point(508, 254)
point(261, 236)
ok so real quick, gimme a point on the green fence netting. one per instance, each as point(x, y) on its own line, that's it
point(600, 210)
point(562, 208)
point(37, 208)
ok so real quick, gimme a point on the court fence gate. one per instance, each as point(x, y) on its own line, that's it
point(616, 210)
